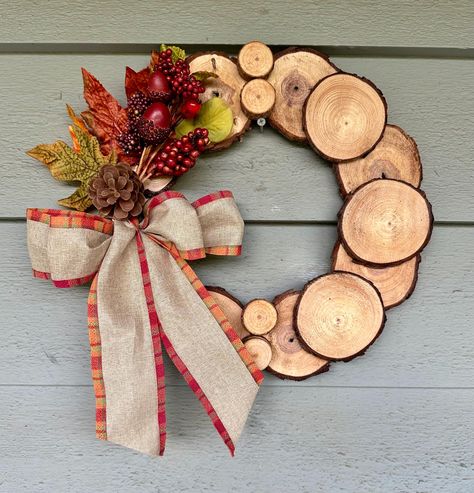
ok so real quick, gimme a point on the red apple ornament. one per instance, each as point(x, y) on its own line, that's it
point(158, 87)
point(154, 125)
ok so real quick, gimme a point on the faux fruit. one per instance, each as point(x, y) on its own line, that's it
point(190, 109)
point(158, 87)
point(154, 125)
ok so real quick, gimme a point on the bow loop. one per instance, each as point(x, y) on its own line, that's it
point(65, 246)
point(211, 224)
point(171, 218)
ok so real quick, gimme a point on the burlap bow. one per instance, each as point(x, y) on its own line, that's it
point(143, 295)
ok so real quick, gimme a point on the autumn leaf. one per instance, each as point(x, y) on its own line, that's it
point(65, 164)
point(105, 117)
point(136, 81)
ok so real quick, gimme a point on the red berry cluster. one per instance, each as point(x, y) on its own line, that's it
point(179, 155)
point(179, 76)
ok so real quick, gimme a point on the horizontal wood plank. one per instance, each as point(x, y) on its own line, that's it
point(359, 23)
point(427, 341)
point(345, 440)
point(272, 178)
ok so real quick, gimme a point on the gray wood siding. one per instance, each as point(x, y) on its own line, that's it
point(400, 418)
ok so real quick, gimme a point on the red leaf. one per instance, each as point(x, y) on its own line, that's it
point(135, 81)
point(106, 117)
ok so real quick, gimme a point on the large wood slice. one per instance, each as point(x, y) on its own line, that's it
point(339, 315)
point(344, 117)
point(395, 156)
point(260, 350)
point(295, 72)
point(385, 222)
point(231, 307)
point(227, 86)
point(257, 98)
point(255, 60)
point(259, 317)
point(395, 283)
point(289, 359)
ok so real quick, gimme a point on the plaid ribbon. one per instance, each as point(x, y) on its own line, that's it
point(145, 297)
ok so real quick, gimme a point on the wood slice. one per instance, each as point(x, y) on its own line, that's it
point(159, 183)
point(231, 307)
point(227, 86)
point(385, 222)
point(395, 283)
point(339, 315)
point(257, 98)
point(260, 350)
point(255, 60)
point(289, 359)
point(344, 117)
point(259, 317)
point(395, 156)
point(295, 72)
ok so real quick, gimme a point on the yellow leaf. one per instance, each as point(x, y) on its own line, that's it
point(67, 164)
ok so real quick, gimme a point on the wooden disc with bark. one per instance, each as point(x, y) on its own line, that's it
point(260, 350)
point(257, 98)
point(289, 359)
point(395, 283)
point(339, 315)
point(344, 117)
point(231, 307)
point(227, 85)
point(255, 59)
point(295, 72)
point(385, 222)
point(259, 317)
point(159, 183)
point(395, 156)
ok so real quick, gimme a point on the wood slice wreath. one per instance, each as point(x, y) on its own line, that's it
point(383, 225)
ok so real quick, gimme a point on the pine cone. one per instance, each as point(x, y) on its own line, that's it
point(117, 192)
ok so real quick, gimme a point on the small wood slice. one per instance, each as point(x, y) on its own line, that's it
point(227, 85)
point(395, 156)
point(344, 117)
point(159, 183)
point(255, 60)
point(259, 317)
point(395, 283)
point(260, 350)
point(231, 307)
point(339, 315)
point(295, 72)
point(385, 222)
point(257, 98)
point(289, 359)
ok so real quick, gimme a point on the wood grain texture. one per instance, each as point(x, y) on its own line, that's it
point(47, 341)
point(375, 440)
point(427, 98)
point(362, 22)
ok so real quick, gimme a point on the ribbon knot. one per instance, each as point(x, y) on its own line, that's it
point(144, 296)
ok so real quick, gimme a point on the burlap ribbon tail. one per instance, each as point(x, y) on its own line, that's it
point(145, 296)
